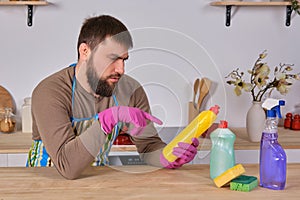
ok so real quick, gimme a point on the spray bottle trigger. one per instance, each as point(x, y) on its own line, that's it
point(277, 108)
point(273, 107)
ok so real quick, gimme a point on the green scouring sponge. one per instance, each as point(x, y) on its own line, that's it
point(244, 183)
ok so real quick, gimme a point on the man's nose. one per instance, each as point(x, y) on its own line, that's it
point(119, 66)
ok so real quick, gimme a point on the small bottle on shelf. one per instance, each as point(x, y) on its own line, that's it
point(296, 122)
point(288, 120)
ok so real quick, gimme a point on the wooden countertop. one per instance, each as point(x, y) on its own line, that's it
point(135, 182)
point(20, 142)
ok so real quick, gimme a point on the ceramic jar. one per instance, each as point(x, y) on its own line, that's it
point(26, 116)
point(255, 121)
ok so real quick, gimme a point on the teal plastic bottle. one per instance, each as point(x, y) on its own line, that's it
point(222, 155)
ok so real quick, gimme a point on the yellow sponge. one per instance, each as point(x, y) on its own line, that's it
point(228, 175)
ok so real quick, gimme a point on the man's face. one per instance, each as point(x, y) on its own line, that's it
point(105, 66)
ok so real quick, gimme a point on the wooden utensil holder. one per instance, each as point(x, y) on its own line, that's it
point(193, 112)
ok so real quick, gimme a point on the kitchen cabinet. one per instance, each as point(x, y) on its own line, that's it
point(13, 160)
point(16, 159)
point(3, 160)
point(29, 5)
point(14, 149)
point(229, 4)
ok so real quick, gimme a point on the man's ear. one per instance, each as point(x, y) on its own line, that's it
point(84, 51)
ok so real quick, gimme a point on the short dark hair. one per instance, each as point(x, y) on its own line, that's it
point(95, 29)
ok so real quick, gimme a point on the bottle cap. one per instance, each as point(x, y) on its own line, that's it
point(215, 109)
point(27, 100)
point(223, 124)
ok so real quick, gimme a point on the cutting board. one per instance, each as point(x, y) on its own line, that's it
point(6, 99)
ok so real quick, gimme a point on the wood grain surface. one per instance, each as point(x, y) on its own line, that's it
point(135, 182)
point(15, 142)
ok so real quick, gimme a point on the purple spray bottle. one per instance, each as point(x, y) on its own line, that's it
point(272, 164)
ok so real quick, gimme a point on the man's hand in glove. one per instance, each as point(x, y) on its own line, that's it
point(111, 116)
point(185, 153)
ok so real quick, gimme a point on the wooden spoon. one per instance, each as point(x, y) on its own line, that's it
point(196, 88)
point(205, 84)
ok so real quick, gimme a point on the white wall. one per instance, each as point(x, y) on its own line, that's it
point(175, 42)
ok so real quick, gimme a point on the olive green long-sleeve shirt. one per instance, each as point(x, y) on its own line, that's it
point(52, 110)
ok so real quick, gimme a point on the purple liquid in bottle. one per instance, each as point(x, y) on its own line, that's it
point(272, 161)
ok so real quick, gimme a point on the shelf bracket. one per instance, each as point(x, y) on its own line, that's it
point(288, 15)
point(29, 14)
point(228, 15)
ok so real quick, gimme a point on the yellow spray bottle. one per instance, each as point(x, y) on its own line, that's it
point(194, 130)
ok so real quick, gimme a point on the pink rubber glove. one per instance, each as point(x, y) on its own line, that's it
point(111, 116)
point(185, 153)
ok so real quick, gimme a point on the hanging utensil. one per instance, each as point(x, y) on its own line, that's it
point(192, 106)
point(196, 90)
point(204, 87)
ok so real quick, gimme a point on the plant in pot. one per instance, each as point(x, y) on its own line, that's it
point(260, 83)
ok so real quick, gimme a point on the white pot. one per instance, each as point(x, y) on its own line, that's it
point(255, 121)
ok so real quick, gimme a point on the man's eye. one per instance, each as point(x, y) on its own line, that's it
point(113, 59)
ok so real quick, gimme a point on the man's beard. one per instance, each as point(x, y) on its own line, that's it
point(100, 86)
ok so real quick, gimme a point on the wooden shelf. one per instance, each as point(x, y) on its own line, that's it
point(229, 4)
point(22, 3)
point(29, 5)
point(249, 3)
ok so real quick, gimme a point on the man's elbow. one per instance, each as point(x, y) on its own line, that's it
point(70, 176)
point(70, 173)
